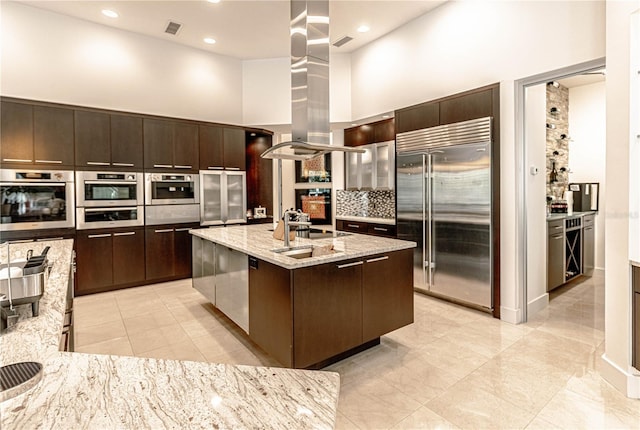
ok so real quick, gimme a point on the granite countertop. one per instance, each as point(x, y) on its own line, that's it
point(387, 221)
point(258, 241)
point(103, 392)
point(553, 217)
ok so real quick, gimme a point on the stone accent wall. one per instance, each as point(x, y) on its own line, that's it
point(557, 146)
point(374, 204)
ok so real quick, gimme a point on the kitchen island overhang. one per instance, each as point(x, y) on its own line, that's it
point(312, 311)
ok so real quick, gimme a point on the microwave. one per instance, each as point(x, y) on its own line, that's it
point(108, 189)
point(171, 189)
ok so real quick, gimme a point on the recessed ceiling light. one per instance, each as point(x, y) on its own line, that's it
point(109, 13)
point(385, 116)
point(354, 124)
point(213, 1)
point(209, 40)
point(363, 28)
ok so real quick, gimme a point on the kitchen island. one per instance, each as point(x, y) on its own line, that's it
point(306, 310)
point(104, 392)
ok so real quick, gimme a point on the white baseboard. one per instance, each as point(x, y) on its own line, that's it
point(537, 304)
point(510, 315)
point(625, 382)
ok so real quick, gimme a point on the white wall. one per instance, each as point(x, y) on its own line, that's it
point(587, 149)
point(467, 44)
point(52, 57)
point(536, 190)
point(617, 357)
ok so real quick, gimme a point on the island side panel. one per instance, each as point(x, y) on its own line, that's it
point(387, 293)
point(327, 311)
point(270, 313)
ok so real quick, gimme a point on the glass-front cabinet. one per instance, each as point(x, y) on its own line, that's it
point(372, 169)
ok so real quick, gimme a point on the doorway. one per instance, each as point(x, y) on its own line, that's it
point(545, 144)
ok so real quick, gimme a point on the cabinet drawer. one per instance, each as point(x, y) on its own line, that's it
point(353, 226)
point(555, 226)
point(382, 230)
point(588, 220)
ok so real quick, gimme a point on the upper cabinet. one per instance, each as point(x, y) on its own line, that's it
point(33, 135)
point(373, 169)
point(170, 145)
point(222, 148)
point(108, 140)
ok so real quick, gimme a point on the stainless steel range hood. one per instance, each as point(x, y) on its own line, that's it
point(310, 128)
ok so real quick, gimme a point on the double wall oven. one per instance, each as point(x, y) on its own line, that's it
point(109, 199)
point(36, 199)
point(171, 198)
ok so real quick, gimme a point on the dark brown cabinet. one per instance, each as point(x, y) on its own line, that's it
point(366, 134)
point(327, 311)
point(417, 117)
point(222, 148)
point(467, 107)
point(170, 145)
point(36, 135)
point(270, 313)
point(306, 317)
point(16, 133)
point(92, 134)
point(385, 306)
point(168, 252)
point(107, 140)
point(386, 230)
point(109, 259)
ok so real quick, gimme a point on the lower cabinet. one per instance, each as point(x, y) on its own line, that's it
point(375, 229)
point(327, 311)
point(555, 257)
point(168, 252)
point(635, 332)
point(109, 259)
point(204, 267)
point(304, 317)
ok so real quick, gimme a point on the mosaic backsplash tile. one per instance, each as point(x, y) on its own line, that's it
point(373, 204)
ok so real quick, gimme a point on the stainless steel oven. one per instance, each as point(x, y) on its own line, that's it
point(100, 189)
point(36, 199)
point(171, 189)
point(107, 217)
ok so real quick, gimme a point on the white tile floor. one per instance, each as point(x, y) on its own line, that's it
point(452, 368)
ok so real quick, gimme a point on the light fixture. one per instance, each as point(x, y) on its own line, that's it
point(363, 28)
point(209, 40)
point(109, 13)
point(554, 84)
point(213, 1)
point(385, 116)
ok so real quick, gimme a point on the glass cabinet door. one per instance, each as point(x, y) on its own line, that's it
point(367, 167)
point(385, 155)
point(353, 169)
point(211, 198)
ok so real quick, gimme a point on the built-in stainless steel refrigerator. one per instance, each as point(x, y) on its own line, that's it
point(444, 204)
point(223, 197)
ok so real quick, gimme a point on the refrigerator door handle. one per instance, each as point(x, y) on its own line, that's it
point(429, 218)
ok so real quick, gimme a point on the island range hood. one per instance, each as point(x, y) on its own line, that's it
point(310, 128)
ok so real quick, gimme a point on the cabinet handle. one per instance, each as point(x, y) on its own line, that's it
point(49, 161)
point(97, 163)
point(357, 263)
point(557, 237)
point(588, 228)
point(373, 260)
point(215, 168)
point(16, 160)
point(353, 226)
point(128, 233)
point(380, 229)
point(183, 229)
point(98, 236)
point(233, 168)
point(123, 164)
point(558, 227)
point(166, 230)
point(163, 166)
point(177, 166)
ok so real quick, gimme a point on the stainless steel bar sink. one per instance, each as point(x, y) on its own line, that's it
point(298, 252)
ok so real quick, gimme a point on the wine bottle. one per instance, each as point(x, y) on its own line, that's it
point(553, 177)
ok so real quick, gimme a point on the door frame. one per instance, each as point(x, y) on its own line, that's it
point(522, 162)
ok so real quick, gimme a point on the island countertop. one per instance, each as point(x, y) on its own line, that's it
point(104, 391)
point(258, 241)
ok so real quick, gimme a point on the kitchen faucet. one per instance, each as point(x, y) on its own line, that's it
point(288, 223)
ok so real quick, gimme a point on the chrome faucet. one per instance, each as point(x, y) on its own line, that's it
point(288, 223)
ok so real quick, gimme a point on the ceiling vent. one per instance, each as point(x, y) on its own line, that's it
point(173, 28)
point(341, 41)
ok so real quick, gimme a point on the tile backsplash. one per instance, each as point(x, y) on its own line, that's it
point(372, 204)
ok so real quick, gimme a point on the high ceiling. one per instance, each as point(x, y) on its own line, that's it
point(244, 29)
